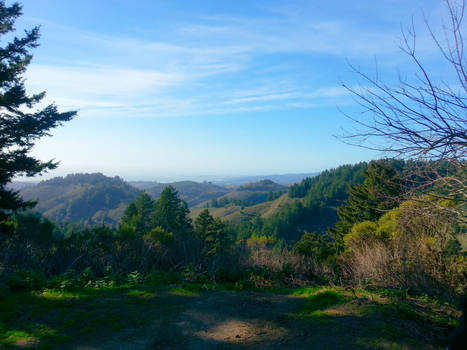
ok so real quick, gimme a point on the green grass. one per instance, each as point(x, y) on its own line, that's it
point(52, 318)
point(382, 319)
point(324, 300)
point(49, 318)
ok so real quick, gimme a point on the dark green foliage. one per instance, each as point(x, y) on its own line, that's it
point(376, 195)
point(249, 228)
point(171, 213)
point(314, 245)
point(323, 300)
point(138, 215)
point(20, 126)
point(299, 190)
point(218, 240)
point(317, 210)
point(202, 223)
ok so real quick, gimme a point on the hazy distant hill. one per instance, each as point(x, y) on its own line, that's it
point(250, 194)
point(18, 185)
point(192, 192)
point(95, 199)
point(143, 185)
point(88, 198)
point(284, 179)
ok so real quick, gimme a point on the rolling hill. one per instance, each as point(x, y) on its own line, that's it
point(249, 194)
point(192, 192)
point(90, 199)
point(93, 199)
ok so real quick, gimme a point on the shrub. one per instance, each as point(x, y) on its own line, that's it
point(412, 247)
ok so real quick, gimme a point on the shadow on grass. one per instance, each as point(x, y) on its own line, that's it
point(184, 318)
point(50, 319)
point(325, 320)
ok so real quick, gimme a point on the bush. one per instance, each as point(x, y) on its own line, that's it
point(25, 280)
point(411, 247)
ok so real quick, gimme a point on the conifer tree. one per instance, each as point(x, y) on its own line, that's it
point(202, 223)
point(217, 240)
point(370, 200)
point(171, 213)
point(137, 217)
point(20, 123)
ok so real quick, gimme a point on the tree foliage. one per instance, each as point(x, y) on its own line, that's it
point(21, 124)
point(171, 213)
point(370, 200)
point(137, 216)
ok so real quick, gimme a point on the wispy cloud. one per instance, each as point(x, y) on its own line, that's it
point(201, 68)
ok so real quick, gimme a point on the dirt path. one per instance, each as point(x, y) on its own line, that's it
point(251, 320)
point(229, 320)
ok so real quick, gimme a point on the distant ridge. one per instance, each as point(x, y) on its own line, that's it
point(94, 199)
point(281, 179)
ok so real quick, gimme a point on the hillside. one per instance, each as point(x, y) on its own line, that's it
point(309, 206)
point(95, 199)
point(249, 194)
point(237, 214)
point(190, 191)
point(282, 179)
point(87, 198)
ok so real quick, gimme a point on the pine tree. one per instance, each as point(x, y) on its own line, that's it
point(171, 213)
point(370, 200)
point(217, 241)
point(138, 216)
point(202, 223)
point(20, 124)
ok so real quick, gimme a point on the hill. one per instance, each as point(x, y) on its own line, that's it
point(94, 199)
point(249, 195)
point(282, 179)
point(190, 191)
point(86, 198)
point(18, 185)
point(308, 206)
point(237, 214)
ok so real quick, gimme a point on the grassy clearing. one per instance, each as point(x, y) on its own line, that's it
point(379, 319)
point(46, 319)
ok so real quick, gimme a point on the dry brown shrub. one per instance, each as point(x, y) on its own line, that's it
point(295, 270)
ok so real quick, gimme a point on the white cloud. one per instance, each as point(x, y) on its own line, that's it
point(185, 73)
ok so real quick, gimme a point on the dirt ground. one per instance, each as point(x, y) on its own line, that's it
point(251, 320)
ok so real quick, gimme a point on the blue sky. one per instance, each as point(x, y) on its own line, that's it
point(172, 89)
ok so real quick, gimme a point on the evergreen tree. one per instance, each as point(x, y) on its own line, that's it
point(370, 200)
point(217, 241)
point(171, 213)
point(202, 223)
point(20, 125)
point(138, 216)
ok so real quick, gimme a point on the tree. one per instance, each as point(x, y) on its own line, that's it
point(218, 241)
point(20, 124)
point(137, 216)
point(202, 223)
point(171, 213)
point(421, 118)
point(368, 201)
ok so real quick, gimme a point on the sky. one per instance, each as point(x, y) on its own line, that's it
point(176, 89)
